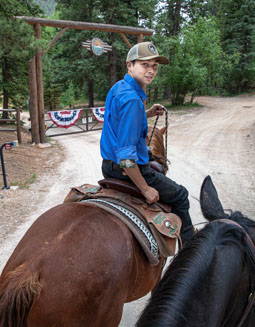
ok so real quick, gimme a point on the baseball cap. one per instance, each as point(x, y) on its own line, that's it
point(145, 51)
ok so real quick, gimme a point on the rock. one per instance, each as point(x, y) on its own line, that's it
point(43, 145)
point(14, 187)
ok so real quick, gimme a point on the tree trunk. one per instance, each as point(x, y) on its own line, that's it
point(5, 81)
point(90, 93)
point(192, 97)
point(33, 103)
point(177, 17)
point(167, 92)
point(178, 100)
point(112, 63)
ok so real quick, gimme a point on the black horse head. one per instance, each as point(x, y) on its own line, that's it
point(209, 281)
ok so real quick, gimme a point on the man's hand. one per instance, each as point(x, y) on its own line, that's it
point(156, 109)
point(151, 194)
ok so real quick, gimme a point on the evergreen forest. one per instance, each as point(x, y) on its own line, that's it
point(210, 44)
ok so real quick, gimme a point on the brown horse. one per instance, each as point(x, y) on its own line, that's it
point(76, 266)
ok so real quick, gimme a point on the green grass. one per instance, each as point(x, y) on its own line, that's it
point(26, 183)
point(185, 106)
point(48, 139)
point(168, 105)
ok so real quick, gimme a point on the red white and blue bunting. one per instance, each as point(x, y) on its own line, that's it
point(66, 118)
point(98, 114)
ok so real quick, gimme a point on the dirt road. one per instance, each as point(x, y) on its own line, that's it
point(216, 140)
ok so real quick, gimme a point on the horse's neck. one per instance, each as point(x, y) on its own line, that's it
point(158, 149)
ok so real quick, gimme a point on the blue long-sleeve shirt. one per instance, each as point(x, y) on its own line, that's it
point(125, 123)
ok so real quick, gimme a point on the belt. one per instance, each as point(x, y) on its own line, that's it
point(112, 164)
point(115, 166)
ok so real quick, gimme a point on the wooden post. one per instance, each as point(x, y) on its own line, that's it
point(18, 125)
point(39, 78)
point(139, 38)
point(56, 38)
point(33, 105)
point(87, 120)
point(125, 40)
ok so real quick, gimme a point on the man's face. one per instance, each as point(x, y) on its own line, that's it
point(143, 71)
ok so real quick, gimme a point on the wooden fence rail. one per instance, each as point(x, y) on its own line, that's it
point(16, 121)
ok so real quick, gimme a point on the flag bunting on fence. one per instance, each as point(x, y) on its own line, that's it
point(65, 118)
point(98, 114)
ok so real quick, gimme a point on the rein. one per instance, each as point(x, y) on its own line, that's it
point(251, 299)
point(166, 124)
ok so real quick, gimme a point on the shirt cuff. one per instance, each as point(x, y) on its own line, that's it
point(128, 152)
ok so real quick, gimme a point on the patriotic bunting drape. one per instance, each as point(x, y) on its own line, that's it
point(68, 118)
point(98, 114)
point(65, 118)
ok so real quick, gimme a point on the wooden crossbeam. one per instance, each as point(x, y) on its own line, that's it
point(87, 26)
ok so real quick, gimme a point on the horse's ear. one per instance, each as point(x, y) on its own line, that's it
point(209, 201)
point(162, 130)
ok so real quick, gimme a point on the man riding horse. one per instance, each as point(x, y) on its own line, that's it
point(123, 140)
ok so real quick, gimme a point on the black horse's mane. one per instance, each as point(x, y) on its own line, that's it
point(187, 270)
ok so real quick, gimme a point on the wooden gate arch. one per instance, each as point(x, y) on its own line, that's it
point(35, 73)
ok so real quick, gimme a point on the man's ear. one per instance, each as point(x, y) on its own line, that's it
point(128, 64)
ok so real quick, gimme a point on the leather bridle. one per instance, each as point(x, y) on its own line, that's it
point(166, 124)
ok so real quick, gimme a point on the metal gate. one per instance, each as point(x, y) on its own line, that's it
point(89, 119)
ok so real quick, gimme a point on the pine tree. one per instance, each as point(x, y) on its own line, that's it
point(48, 6)
point(172, 16)
point(16, 45)
point(237, 23)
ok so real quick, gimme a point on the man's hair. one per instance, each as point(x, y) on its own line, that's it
point(132, 63)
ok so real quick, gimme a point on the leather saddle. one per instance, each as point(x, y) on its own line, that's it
point(164, 225)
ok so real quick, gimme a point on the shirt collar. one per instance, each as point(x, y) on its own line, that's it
point(130, 80)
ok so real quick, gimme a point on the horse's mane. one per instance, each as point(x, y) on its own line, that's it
point(184, 275)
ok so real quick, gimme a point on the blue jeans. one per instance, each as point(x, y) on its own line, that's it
point(169, 192)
